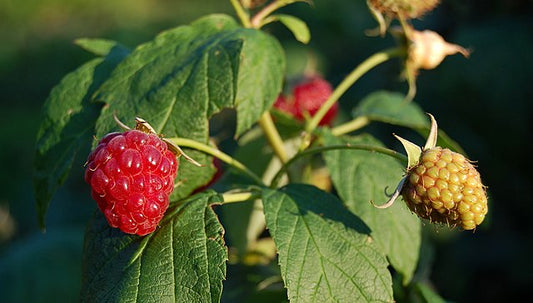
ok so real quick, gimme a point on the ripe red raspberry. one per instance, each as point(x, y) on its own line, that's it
point(131, 175)
point(446, 188)
point(306, 99)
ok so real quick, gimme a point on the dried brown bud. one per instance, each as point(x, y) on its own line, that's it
point(403, 8)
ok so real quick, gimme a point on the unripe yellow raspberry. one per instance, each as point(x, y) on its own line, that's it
point(444, 187)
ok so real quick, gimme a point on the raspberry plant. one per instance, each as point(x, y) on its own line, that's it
point(298, 197)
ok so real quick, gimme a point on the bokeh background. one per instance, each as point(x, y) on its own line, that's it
point(484, 103)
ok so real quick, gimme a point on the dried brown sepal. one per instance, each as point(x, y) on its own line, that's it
point(409, 9)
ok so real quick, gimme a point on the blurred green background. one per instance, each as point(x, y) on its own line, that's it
point(483, 102)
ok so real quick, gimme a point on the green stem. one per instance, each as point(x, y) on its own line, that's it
point(273, 136)
point(359, 71)
point(350, 126)
point(316, 150)
point(241, 13)
point(230, 197)
point(216, 153)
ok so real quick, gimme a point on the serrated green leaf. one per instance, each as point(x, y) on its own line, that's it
point(325, 252)
point(67, 124)
point(361, 177)
point(185, 75)
point(297, 26)
point(100, 47)
point(184, 260)
point(391, 108)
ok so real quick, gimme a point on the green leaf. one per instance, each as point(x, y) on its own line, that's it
point(361, 177)
point(391, 108)
point(67, 124)
point(185, 75)
point(100, 47)
point(298, 27)
point(325, 252)
point(184, 260)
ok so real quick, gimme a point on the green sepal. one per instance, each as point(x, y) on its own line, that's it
point(433, 133)
point(413, 151)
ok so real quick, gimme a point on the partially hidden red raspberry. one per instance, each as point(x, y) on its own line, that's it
point(131, 175)
point(446, 188)
point(306, 99)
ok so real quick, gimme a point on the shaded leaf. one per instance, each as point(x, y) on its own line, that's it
point(101, 47)
point(325, 252)
point(185, 75)
point(67, 124)
point(184, 260)
point(391, 108)
point(298, 27)
point(33, 257)
point(361, 177)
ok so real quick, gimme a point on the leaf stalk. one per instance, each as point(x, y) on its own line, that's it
point(241, 13)
point(274, 139)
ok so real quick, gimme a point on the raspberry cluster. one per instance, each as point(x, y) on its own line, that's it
point(131, 175)
point(306, 99)
point(446, 188)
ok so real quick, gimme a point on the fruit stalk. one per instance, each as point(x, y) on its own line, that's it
point(316, 150)
point(350, 126)
point(238, 197)
point(359, 71)
point(218, 154)
point(273, 136)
